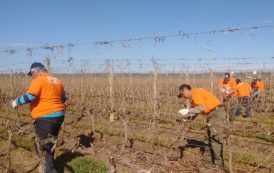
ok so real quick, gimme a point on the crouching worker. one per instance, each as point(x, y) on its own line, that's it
point(46, 96)
point(203, 102)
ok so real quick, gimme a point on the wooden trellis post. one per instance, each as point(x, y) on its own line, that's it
point(187, 76)
point(270, 84)
point(11, 84)
point(47, 64)
point(111, 89)
point(26, 82)
point(187, 81)
point(211, 81)
point(156, 106)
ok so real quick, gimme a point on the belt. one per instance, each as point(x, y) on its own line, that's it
point(217, 107)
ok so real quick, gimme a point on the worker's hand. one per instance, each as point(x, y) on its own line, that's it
point(183, 112)
point(14, 104)
point(228, 90)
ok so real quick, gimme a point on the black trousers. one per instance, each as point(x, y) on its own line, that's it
point(46, 128)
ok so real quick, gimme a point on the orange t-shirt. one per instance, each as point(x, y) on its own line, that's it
point(231, 83)
point(260, 85)
point(243, 89)
point(48, 91)
point(203, 97)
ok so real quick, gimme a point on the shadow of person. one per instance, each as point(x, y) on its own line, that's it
point(86, 140)
point(61, 162)
point(193, 143)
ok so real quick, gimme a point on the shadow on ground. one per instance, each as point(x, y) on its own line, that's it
point(62, 161)
point(192, 143)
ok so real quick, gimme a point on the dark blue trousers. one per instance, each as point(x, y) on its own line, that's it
point(44, 129)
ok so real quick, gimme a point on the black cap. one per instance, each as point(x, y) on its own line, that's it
point(227, 75)
point(36, 65)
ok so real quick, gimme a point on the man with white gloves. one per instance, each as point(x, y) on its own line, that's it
point(183, 112)
point(228, 89)
point(46, 97)
point(228, 86)
point(203, 102)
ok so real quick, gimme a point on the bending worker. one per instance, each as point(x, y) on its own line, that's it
point(243, 93)
point(46, 96)
point(228, 89)
point(203, 102)
point(227, 86)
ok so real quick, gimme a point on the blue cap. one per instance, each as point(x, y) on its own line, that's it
point(36, 65)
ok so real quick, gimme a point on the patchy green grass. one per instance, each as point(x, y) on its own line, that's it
point(87, 165)
point(138, 135)
point(245, 158)
point(260, 137)
point(194, 126)
point(21, 142)
point(262, 120)
point(166, 122)
point(268, 138)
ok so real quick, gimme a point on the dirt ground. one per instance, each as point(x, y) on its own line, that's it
point(147, 148)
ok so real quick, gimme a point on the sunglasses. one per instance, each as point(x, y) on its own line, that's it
point(32, 70)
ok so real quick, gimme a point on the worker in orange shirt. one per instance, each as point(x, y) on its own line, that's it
point(257, 86)
point(227, 86)
point(243, 91)
point(203, 102)
point(228, 90)
point(46, 96)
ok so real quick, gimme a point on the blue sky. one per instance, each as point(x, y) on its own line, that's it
point(33, 23)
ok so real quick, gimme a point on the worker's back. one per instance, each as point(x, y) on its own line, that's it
point(203, 97)
point(243, 89)
point(48, 91)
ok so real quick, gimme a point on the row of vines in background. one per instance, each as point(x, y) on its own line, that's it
point(126, 98)
point(149, 95)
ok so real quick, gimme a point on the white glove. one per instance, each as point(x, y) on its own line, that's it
point(183, 112)
point(228, 90)
point(14, 104)
point(222, 90)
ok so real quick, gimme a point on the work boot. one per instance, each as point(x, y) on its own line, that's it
point(51, 170)
point(247, 114)
point(238, 112)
